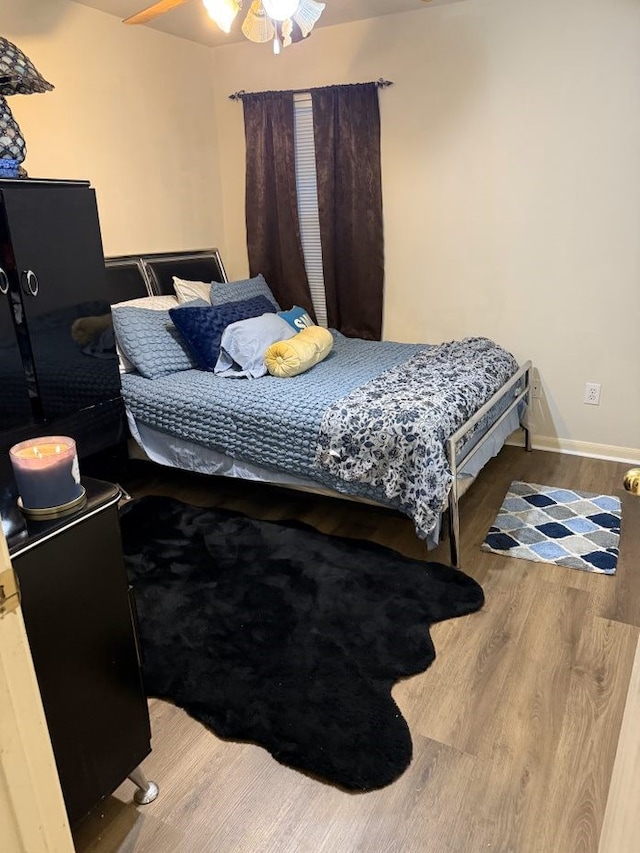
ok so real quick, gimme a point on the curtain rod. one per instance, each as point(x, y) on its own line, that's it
point(238, 96)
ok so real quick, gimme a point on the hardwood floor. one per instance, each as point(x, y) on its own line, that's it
point(524, 728)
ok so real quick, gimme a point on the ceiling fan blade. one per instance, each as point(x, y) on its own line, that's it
point(154, 11)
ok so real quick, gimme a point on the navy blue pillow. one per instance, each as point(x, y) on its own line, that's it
point(201, 328)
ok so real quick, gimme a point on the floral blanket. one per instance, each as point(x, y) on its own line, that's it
point(391, 431)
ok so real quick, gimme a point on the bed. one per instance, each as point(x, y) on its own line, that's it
point(372, 421)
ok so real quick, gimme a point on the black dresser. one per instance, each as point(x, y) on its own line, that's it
point(52, 275)
point(80, 622)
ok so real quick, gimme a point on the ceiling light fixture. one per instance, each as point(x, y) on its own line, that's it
point(222, 12)
point(282, 21)
point(280, 10)
point(274, 19)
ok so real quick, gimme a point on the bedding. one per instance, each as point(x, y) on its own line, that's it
point(278, 425)
point(390, 432)
point(248, 420)
point(247, 288)
point(153, 303)
point(299, 353)
point(201, 328)
point(187, 291)
point(150, 342)
point(297, 317)
point(243, 345)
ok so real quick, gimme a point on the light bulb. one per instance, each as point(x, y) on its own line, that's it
point(280, 10)
point(223, 12)
point(276, 44)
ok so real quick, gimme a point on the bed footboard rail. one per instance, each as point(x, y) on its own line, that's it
point(519, 386)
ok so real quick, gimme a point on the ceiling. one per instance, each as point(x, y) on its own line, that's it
point(192, 22)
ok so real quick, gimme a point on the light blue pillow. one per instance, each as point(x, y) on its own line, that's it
point(245, 342)
point(297, 317)
point(150, 341)
point(246, 288)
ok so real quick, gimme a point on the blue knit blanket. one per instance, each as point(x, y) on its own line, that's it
point(369, 420)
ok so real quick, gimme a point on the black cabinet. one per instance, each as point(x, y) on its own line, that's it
point(79, 621)
point(15, 407)
point(52, 275)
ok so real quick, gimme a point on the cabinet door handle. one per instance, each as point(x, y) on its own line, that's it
point(4, 282)
point(30, 283)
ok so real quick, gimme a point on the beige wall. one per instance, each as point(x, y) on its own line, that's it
point(511, 169)
point(132, 112)
point(32, 813)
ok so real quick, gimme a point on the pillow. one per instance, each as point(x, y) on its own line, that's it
point(154, 303)
point(149, 340)
point(201, 328)
point(247, 288)
point(299, 353)
point(186, 291)
point(244, 344)
point(297, 317)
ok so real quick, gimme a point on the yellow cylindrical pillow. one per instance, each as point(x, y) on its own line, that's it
point(299, 353)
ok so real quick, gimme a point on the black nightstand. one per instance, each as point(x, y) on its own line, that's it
point(79, 618)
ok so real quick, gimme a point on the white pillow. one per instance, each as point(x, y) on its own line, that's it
point(187, 291)
point(152, 303)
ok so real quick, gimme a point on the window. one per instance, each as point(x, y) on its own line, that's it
point(336, 213)
point(307, 188)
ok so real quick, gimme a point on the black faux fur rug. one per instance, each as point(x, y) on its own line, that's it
point(283, 636)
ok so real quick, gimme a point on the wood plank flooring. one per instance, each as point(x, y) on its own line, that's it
point(524, 728)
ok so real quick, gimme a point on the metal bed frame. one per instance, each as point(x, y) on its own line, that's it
point(457, 461)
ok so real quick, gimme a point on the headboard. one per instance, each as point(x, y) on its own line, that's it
point(125, 278)
point(133, 276)
point(159, 269)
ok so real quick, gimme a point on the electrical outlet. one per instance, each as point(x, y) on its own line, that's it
point(592, 393)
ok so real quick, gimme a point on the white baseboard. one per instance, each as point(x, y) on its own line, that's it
point(630, 455)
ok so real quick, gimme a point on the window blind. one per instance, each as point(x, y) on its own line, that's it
point(307, 188)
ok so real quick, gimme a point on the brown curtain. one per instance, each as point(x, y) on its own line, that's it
point(273, 228)
point(346, 126)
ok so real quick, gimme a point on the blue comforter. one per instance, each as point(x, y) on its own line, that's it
point(282, 423)
point(269, 421)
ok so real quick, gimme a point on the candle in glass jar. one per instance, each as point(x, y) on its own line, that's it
point(46, 471)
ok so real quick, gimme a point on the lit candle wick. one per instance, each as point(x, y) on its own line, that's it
point(46, 472)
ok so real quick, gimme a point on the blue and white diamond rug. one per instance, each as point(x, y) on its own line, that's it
point(576, 529)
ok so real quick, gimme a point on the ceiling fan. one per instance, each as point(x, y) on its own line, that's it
point(284, 21)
